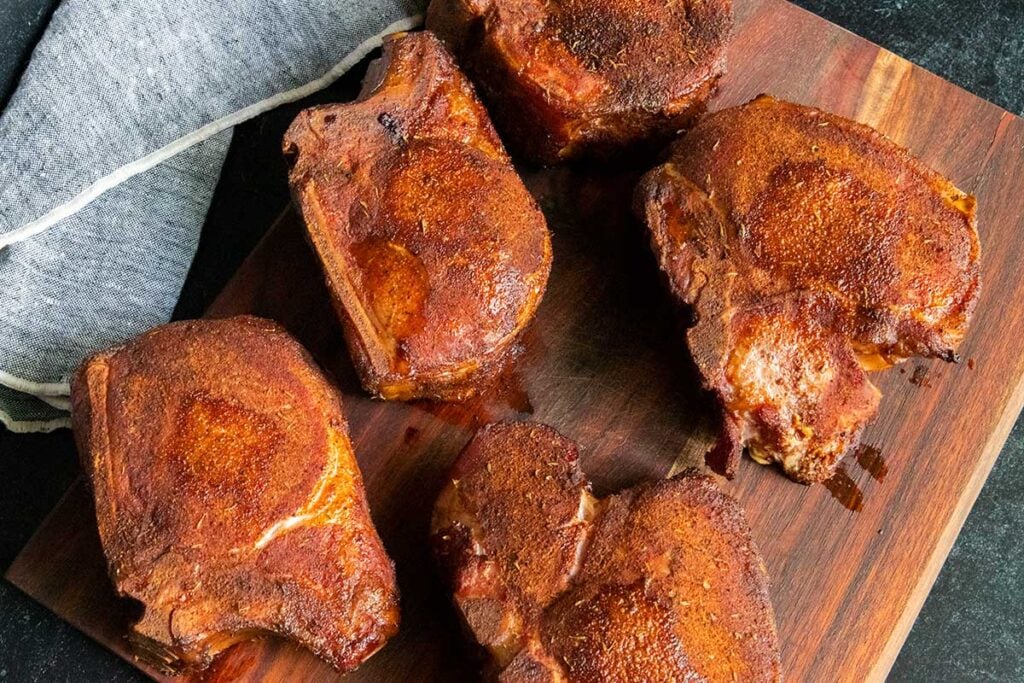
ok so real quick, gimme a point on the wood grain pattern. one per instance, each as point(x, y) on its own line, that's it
point(605, 363)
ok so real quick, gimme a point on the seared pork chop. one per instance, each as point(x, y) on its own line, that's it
point(228, 499)
point(810, 249)
point(436, 256)
point(659, 582)
point(565, 78)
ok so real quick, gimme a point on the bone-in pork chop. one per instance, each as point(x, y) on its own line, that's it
point(436, 256)
point(660, 582)
point(227, 495)
point(810, 249)
point(570, 78)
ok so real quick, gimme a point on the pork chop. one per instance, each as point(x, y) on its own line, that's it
point(568, 78)
point(659, 582)
point(810, 249)
point(436, 256)
point(228, 499)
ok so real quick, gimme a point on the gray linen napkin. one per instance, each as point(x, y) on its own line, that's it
point(109, 153)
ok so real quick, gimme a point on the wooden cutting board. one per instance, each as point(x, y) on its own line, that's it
point(605, 363)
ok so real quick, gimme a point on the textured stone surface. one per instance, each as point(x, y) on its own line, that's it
point(972, 626)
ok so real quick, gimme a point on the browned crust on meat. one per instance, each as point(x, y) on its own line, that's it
point(228, 500)
point(570, 78)
point(436, 255)
point(518, 488)
point(814, 242)
point(659, 582)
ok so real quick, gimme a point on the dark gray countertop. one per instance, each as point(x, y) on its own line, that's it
point(972, 626)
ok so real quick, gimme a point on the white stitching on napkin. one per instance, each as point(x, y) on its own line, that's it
point(147, 162)
point(37, 389)
point(58, 402)
point(27, 426)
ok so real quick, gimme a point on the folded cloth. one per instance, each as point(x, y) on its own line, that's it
point(109, 153)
